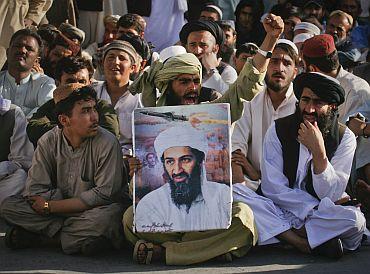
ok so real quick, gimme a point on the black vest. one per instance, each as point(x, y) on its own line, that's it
point(287, 132)
point(6, 132)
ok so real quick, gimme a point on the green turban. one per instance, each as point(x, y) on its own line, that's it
point(160, 74)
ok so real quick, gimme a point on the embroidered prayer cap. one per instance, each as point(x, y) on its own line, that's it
point(63, 91)
point(302, 37)
point(72, 32)
point(342, 13)
point(229, 23)
point(181, 136)
point(289, 43)
point(309, 27)
point(319, 46)
point(124, 46)
point(325, 87)
point(215, 8)
point(201, 25)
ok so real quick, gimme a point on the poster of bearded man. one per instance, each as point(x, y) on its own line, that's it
point(183, 180)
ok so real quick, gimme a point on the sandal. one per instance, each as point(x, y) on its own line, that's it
point(17, 237)
point(148, 250)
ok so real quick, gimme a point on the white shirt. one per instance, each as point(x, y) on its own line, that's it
point(357, 92)
point(124, 108)
point(165, 22)
point(21, 149)
point(32, 92)
point(330, 183)
point(156, 211)
point(221, 82)
point(249, 131)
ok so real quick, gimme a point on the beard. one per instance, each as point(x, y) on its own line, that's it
point(172, 99)
point(338, 41)
point(226, 52)
point(277, 86)
point(184, 193)
point(325, 122)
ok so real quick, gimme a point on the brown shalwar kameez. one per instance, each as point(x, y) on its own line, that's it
point(93, 172)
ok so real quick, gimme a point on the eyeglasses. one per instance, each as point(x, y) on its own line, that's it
point(186, 81)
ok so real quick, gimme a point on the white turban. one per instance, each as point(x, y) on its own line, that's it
point(309, 27)
point(180, 136)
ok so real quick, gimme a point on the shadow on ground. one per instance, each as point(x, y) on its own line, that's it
point(258, 260)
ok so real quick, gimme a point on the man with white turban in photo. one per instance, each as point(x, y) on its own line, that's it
point(186, 201)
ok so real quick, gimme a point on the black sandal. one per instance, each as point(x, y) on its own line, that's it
point(17, 237)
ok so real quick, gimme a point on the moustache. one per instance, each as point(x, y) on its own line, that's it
point(311, 114)
point(181, 175)
point(277, 74)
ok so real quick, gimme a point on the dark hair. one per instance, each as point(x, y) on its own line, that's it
point(71, 65)
point(290, 51)
point(256, 5)
point(150, 153)
point(325, 63)
point(249, 48)
point(130, 20)
point(199, 155)
point(28, 32)
point(140, 45)
point(66, 105)
point(59, 41)
point(48, 33)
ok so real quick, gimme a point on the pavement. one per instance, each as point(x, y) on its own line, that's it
point(258, 260)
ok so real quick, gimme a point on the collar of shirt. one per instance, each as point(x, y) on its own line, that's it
point(12, 81)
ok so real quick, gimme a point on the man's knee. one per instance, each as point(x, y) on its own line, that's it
point(10, 206)
point(359, 222)
point(128, 219)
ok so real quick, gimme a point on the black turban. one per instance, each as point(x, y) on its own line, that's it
point(202, 25)
point(326, 89)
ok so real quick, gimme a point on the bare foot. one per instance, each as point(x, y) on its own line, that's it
point(147, 253)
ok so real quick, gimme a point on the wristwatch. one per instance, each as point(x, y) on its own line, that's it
point(46, 208)
point(266, 54)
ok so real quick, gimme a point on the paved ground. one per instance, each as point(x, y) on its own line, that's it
point(259, 260)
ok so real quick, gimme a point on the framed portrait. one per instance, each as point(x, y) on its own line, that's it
point(184, 182)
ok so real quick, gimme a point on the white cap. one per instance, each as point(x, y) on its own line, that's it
point(180, 136)
point(300, 38)
point(171, 51)
point(311, 28)
point(219, 11)
point(289, 43)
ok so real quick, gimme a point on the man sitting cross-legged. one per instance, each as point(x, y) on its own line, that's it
point(306, 162)
point(178, 81)
point(74, 189)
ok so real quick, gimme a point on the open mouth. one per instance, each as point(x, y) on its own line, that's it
point(190, 99)
point(20, 57)
point(115, 70)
